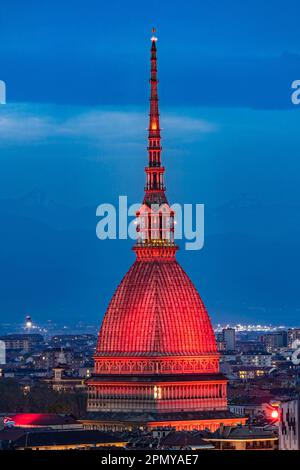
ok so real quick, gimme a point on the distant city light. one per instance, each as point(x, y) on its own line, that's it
point(249, 328)
point(28, 323)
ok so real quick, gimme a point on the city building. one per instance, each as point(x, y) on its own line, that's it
point(254, 407)
point(274, 341)
point(185, 440)
point(53, 357)
point(221, 346)
point(229, 339)
point(243, 438)
point(20, 373)
point(17, 439)
point(156, 362)
point(257, 358)
point(289, 428)
point(62, 382)
point(22, 342)
point(75, 341)
point(163, 438)
point(229, 357)
point(250, 372)
point(249, 346)
point(293, 336)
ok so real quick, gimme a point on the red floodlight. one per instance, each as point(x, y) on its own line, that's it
point(273, 413)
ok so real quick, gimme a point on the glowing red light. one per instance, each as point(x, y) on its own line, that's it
point(275, 414)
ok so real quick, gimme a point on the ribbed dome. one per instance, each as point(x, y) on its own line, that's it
point(156, 310)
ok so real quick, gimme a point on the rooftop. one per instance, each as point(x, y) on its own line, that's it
point(185, 439)
point(41, 419)
point(242, 432)
point(58, 438)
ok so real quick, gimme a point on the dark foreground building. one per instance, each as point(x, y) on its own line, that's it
point(156, 361)
point(17, 439)
point(289, 428)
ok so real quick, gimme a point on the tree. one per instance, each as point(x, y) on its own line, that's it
point(40, 399)
point(11, 396)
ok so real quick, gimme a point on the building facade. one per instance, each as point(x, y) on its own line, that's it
point(243, 439)
point(293, 336)
point(22, 342)
point(229, 339)
point(274, 341)
point(289, 427)
point(257, 358)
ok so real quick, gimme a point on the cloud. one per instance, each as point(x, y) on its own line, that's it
point(188, 125)
point(31, 123)
point(26, 130)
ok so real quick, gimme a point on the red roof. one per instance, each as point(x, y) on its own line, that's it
point(41, 419)
point(156, 310)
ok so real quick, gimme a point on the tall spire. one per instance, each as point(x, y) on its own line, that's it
point(155, 226)
point(154, 190)
point(154, 130)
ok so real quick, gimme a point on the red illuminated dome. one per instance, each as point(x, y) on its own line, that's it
point(156, 311)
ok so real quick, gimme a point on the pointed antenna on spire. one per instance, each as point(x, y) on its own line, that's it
point(154, 130)
point(155, 224)
point(153, 38)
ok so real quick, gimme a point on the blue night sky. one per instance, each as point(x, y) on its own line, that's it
point(73, 135)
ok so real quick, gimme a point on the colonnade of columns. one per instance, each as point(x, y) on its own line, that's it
point(158, 397)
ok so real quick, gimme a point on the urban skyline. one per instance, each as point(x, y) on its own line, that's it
point(197, 346)
point(67, 149)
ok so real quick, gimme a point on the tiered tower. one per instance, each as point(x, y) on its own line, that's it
point(156, 361)
point(155, 217)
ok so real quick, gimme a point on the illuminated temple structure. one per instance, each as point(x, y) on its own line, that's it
point(156, 362)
